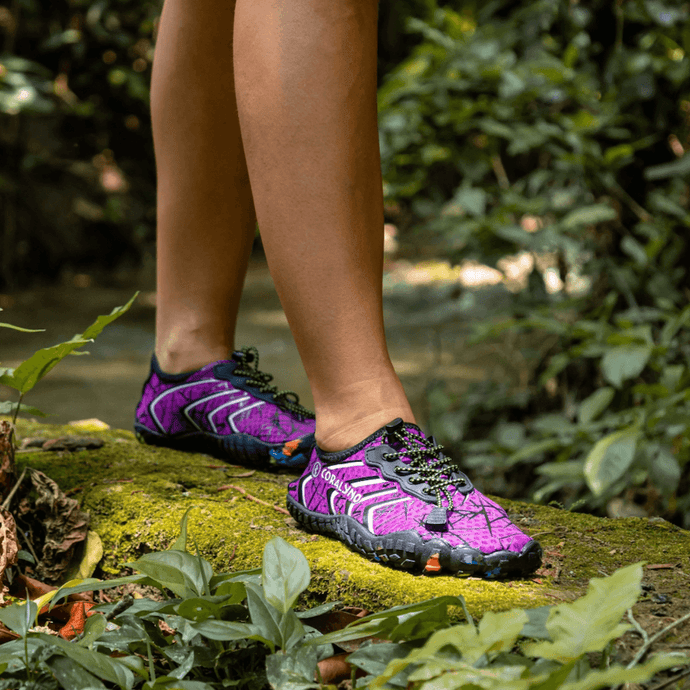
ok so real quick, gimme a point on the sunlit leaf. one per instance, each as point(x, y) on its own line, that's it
point(610, 458)
point(99, 664)
point(32, 370)
point(181, 542)
point(595, 404)
point(625, 362)
point(18, 618)
point(292, 671)
point(617, 675)
point(285, 574)
point(23, 330)
point(178, 571)
point(9, 408)
point(72, 675)
point(591, 622)
point(224, 630)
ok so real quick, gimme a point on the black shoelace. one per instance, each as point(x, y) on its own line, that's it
point(427, 466)
point(248, 366)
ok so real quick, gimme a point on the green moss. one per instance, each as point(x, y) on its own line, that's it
point(136, 496)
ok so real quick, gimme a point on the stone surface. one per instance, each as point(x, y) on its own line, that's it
point(136, 496)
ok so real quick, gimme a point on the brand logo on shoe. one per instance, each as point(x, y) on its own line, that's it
point(338, 484)
point(316, 469)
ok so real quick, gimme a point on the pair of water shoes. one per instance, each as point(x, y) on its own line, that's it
point(394, 497)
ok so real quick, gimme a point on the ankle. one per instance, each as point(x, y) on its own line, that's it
point(349, 414)
point(181, 360)
point(336, 434)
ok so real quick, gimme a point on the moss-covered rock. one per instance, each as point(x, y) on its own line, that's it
point(136, 496)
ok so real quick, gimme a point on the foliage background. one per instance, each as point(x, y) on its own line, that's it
point(559, 129)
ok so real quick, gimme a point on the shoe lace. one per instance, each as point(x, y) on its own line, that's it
point(427, 466)
point(248, 366)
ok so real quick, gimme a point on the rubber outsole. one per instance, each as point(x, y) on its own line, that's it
point(408, 551)
point(242, 448)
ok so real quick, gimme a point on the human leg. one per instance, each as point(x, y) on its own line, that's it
point(205, 210)
point(200, 395)
point(305, 74)
point(306, 90)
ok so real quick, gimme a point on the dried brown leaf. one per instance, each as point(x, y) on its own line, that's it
point(65, 525)
point(9, 548)
point(334, 669)
point(7, 470)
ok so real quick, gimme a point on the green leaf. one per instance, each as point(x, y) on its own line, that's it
point(293, 670)
point(595, 404)
point(181, 542)
point(536, 623)
point(102, 321)
point(291, 630)
point(588, 215)
point(625, 362)
point(178, 571)
point(197, 609)
point(19, 617)
point(617, 675)
point(224, 630)
point(23, 330)
point(591, 622)
point(95, 585)
point(71, 675)
point(665, 471)
point(265, 617)
point(610, 459)
point(452, 675)
point(473, 200)
point(497, 632)
point(533, 449)
point(9, 408)
point(99, 664)
point(172, 683)
point(676, 168)
point(93, 628)
point(373, 658)
point(32, 370)
point(634, 250)
point(318, 610)
point(285, 574)
point(383, 623)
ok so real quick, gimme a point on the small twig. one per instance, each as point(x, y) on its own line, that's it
point(121, 606)
point(638, 627)
point(16, 411)
point(668, 682)
point(6, 503)
point(541, 534)
point(645, 647)
point(255, 499)
point(28, 543)
point(638, 210)
point(500, 172)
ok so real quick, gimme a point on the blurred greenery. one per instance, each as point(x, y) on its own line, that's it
point(556, 128)
point(77, 171)
point(560, 129)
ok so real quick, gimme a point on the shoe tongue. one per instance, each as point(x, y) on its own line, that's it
point(415, 437)
point(225, 370)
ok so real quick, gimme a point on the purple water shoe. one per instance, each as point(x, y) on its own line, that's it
point(397, 499)
point(227, 409)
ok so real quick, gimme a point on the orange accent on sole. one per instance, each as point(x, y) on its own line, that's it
point(432, 565)
point(290, 447)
